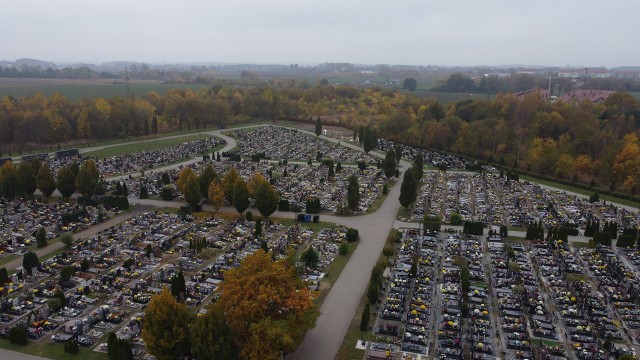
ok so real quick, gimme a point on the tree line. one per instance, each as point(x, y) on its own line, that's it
point(595, 144)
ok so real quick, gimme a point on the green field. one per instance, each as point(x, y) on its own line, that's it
point(143, 146)
point(79, 91)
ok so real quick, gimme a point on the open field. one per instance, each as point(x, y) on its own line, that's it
point(77, 89)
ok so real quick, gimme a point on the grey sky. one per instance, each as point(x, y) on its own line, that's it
point(415, 32)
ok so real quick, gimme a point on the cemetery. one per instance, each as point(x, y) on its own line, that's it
point(446, 295)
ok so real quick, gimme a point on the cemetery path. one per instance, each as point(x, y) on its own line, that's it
point(83, 234)
point(14, 355)
point(231, 143)
point(521, 234)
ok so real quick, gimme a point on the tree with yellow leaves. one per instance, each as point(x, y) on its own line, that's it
point(627, 161)
point(183, 175)
point(215, 195)
point(166, 327)
point(228, 182)
point(267, 306)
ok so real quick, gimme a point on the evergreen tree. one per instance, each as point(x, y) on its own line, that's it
point(240, 196)
point(397, 150)
point(318, 126)
point(418, 166)
point(258, 228)
point(408, 189)
point(353, 193)
point(29, 261)
point(331, 173)
point(389, 165)
point(154, 124)
point(364, 320)
point(41, 237)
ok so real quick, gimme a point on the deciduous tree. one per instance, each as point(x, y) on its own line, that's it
point(207, 175)
point(166, 327)
point(211, 336)
point(87, 180)
point(45, 181)
point(409, 84)
point(216, 195)
point(228, 182)
point(26, 179)
point(266, 198)
point(267, 306)
point(8, 180)
point(66, 181)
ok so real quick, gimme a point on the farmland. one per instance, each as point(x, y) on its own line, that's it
point(78, 89)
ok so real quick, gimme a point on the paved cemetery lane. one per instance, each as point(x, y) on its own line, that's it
point(230, 144)
point(14, 355)
point(338, 309)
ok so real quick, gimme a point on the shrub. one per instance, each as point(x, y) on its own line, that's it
point(344, 249)
point(352, 235)
point(248, 216)
point(385, 189)
point(388, 251)
point(167, 193)
point(283, 205)
point(18, 336)
point(364, 321)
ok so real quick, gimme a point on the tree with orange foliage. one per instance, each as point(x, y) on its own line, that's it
point(267, 306)
point(166, 327)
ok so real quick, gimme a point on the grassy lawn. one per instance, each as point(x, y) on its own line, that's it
point(404, 213)
point(129, 140)
point(7, 258)
point(378, 202)
point(578, 245)
point(53, 351)
point(579, 190)
point(578, 277)
point(143, 146)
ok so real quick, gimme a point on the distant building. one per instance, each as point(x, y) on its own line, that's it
point(578, 95)
point(543, 93)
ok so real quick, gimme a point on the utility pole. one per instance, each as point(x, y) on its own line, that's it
point(127, 91)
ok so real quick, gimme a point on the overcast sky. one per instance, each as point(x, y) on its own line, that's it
point(411, 32)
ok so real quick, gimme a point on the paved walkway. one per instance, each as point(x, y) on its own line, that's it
point(324, 340)
point(14, 355)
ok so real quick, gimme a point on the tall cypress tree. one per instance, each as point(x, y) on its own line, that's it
point(408, 189)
